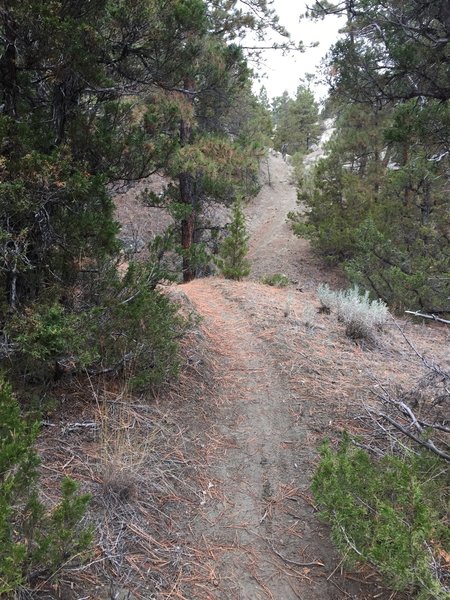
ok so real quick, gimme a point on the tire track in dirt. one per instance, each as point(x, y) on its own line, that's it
point(255, 504)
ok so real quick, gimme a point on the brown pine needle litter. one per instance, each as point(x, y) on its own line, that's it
point(202, 492)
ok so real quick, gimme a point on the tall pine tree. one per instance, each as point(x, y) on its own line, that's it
point(379, 200)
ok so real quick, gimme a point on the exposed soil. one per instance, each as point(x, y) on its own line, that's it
point(273, 247)
point(205, 493)
point(285, 377)
point(258, 518)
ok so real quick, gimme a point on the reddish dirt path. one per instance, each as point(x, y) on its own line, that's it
point(271, 403)
point(260, 480)
point(258, 521)
point(258, 473)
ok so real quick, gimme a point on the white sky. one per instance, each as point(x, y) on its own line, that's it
point(284, 72)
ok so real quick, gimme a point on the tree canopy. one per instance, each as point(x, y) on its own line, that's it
point(379, 199)
point(296, 121)
point(93, 92)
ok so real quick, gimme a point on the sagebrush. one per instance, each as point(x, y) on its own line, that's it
point(353, 307)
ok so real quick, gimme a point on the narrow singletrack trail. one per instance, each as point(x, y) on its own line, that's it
point(256, 518)
point(257, 523)
point(273, 247)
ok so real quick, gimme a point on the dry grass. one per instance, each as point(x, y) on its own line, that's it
point(141, 467)
point(151, 466)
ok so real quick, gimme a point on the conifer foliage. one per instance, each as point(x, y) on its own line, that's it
point(379, 199)
point(33, 541)
point(93, 93)
point(390, 513)
point(231, 260)
point(296, 120)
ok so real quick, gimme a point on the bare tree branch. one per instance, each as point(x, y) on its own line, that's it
point(425, 316)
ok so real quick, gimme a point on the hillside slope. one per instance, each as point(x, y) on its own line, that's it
point(284, 377)
point(273, 247)
point(204, 492)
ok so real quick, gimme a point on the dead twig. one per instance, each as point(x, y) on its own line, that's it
point(293, 562)
point(425, 316)
point(426, 443)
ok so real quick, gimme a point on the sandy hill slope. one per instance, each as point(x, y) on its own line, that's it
point(273, 247)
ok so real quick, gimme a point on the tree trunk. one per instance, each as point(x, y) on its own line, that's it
point(66, 94)
point(187, 196)
point(59, 105)
point(8, 68)
point(377, 156)
point(11, 288)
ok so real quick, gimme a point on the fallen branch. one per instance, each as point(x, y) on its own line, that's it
point(86, 425)
point(426, 443)
point(424, 316)
point(295, 563)
point(430, 433)
point(433, 367)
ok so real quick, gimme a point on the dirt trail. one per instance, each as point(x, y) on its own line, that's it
point(257, 519)
point(273, 247)
point(257, 505)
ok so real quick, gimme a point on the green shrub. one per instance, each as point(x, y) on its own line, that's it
point(390, 513)
point(48, 334)
point(276, 280)
point(404, 278)
point(139, 331)
point(123, 324)
point(33, 540)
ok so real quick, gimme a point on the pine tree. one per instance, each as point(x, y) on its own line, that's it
point(380, 201)
point(231, 260)
point(93, 92)
point(296, 121)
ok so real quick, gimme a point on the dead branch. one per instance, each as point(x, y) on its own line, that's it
point(425, 316)
point(74, 426)
point(426, 443)
point(419, 420)
point(7, 349)
point(433, 367)
point(295, 563)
